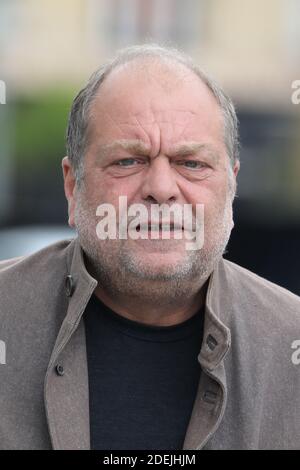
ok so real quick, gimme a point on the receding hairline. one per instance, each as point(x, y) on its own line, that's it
point(158, 64)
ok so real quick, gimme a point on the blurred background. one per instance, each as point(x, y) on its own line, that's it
point(47, 51)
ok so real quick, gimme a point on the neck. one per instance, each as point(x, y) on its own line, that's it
point(152, 311)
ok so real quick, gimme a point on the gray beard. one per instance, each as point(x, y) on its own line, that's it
point(120, 273)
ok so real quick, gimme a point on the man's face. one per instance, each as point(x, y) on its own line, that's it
point(155, 136)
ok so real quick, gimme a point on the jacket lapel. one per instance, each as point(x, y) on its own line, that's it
point(210, 402)
point(66, 390)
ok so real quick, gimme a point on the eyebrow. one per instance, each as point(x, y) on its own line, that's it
point(192, 148)
point(132, 145)
point(139, 147)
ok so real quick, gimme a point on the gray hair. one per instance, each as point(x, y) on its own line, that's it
point(80, 110)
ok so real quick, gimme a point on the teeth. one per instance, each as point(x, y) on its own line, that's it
point(167, 227)
point(163, 227)
point(156, 227)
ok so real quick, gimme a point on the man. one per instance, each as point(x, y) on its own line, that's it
point(137, 342)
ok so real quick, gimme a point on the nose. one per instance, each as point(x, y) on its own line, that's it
point(160, 182)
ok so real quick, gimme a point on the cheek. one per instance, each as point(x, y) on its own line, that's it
point(108, 190)
point(204, 194)
point(214, 201)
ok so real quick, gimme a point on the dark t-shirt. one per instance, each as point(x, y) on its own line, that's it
point(142, 379)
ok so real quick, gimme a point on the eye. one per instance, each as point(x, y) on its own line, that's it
point(127, 162)
point(192, 164)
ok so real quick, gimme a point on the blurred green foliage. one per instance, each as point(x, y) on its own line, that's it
point(40, 126)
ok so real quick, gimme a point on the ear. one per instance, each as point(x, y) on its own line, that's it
point(236, 168)
point(69, 187)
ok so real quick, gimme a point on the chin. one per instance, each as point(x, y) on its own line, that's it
point(159, 258)
point(158, 264)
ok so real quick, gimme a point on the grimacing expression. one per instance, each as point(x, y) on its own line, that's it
point(156, 135)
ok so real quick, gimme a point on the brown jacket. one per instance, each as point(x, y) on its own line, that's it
point(249, 391)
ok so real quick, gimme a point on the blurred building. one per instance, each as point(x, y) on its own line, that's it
point(252, 47)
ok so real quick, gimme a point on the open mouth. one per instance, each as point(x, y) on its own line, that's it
point(159, 227)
